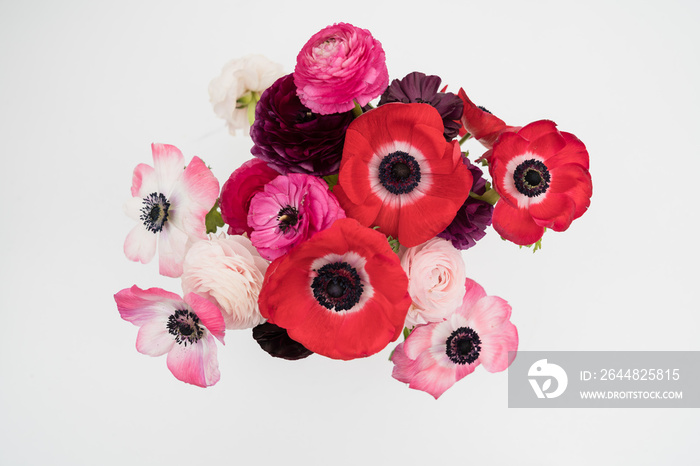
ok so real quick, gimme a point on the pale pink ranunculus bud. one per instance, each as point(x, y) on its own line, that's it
point(229, 272)
point(436, 277)
point(234, 93)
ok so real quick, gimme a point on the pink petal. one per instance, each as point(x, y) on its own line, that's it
point(195, 364)
point(488, 314)
point(171, 252)
point(435, 380)
point(474, 293)
point(144, 181)
point(404, 367)
point(142, 306)
point(419, 341)
point(168, 163)
point(498, 348)
point(464, 370)
point(154, 339)
point(140, 244)
point(192, 197)
point(208, 313)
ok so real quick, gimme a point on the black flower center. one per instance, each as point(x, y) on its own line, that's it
point(531, 178)
point(287, 217)
point(399, 173)
point(463, 346)
point(185, 326)
point(154, 212)
point(337, 286)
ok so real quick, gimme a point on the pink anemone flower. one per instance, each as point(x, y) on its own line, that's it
point(437, 355)
point(184, 329)
point(170, 202)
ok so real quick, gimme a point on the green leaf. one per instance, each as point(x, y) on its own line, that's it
point(214, 219)
point(332, 180)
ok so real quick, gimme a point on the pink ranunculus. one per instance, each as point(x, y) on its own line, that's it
point(170, 204)
point(436, 276)
point(289, 210)
point(245, 182)
point(228, 271)
point(338, 65)
point(437, 355)
point(182, 328)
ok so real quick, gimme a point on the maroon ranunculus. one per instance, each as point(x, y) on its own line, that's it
point(276, 342)
point(472, 219)
point(293, 139)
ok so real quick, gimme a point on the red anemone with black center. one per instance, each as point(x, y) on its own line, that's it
point(398, 173)
point(542, 177)
point(342, 293)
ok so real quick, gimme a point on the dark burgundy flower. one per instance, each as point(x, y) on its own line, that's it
point(292, 139)
point(418, 88)
point(276, 342)
point(472, 219)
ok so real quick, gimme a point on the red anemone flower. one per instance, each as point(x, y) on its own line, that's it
point(542, 177)
point(342, 293)
point(398, 172)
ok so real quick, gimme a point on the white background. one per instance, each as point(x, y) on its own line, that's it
point(85, 87)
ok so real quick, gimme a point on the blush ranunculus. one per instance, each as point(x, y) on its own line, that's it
point(244, 183)
point(339, 65)
point(436, 355)
point(399, 173)
point(289, 210)
point(542, 177)
point(436, 275)
point(229, 272)
point(182, 328)
point(341, 294)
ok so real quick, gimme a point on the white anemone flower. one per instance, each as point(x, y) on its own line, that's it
point(170, 203)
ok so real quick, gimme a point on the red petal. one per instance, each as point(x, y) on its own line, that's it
point(516, 225)
point(537, 129)
point(555, 212)
point(574, 181)
point(547, 145)
point(574, 152)
point(484, 126)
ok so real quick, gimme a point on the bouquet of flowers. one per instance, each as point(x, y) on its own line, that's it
point(345, 230)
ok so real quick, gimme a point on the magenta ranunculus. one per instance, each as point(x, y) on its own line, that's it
point(289, 210)
point(338, 65)
point(245, 182)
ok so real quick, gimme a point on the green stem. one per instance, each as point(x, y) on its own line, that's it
point(490, 196)
point(465, 138)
